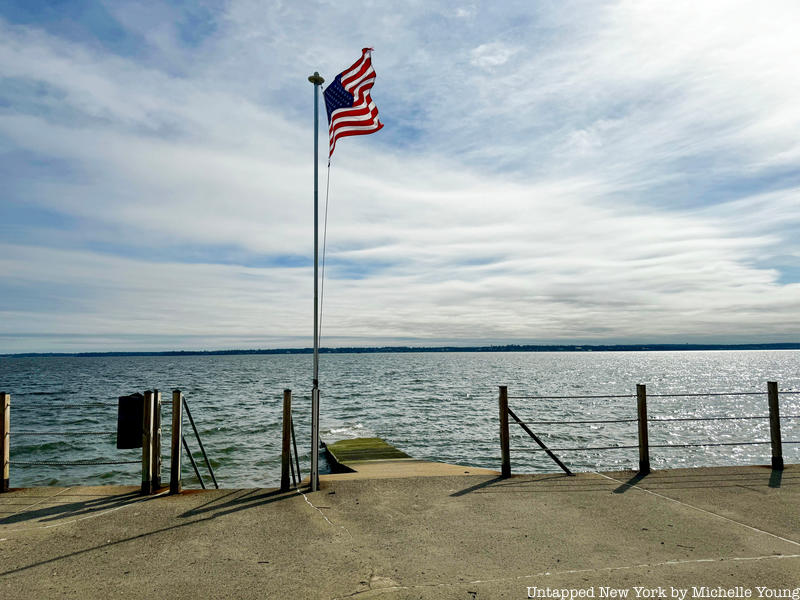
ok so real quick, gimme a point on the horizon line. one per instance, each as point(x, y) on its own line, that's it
point(406, 349)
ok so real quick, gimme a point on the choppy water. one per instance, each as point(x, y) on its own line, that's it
point(433, 406)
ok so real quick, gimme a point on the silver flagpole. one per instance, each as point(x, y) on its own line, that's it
point(317, 81)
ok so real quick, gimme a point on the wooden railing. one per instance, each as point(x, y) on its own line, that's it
point(642, 421)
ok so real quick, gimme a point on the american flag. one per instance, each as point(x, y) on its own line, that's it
point(351, 110)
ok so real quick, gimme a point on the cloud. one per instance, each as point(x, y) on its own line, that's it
point(487, 56)
point(630, 175)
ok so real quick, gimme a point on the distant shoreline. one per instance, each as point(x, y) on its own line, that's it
point(407, 349)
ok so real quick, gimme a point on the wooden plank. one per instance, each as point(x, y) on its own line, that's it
point(505, 451)
point(147, 444)
point(156, 440)
point(343, 452)
point(644, 443)
point(775, 425)
point(5, 436)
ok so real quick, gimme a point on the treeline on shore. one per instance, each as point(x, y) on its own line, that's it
point(387, 349)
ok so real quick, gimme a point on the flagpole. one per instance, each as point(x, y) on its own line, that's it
point(317, 81)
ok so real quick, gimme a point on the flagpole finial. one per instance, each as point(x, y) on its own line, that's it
point(316, 79)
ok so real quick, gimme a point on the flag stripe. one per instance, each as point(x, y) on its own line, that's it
point(358, 116)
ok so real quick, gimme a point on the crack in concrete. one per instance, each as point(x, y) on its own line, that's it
point(703, 510)
point(324, 516)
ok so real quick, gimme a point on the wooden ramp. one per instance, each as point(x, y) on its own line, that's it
point(372, 458)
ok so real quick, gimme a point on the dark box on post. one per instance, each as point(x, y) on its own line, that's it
point(130, 415)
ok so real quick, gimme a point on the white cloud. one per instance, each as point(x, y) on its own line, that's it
point(587, 190)
point(491, 55)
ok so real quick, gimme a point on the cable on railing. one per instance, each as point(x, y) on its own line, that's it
point(710, 444)
point(73, 464)
point(574, 449)
point(687, 395)
point(31, 405)
point(569, 397)
point(684, 395)
point(581, 422)
point(12, 433)
point(651, 446)
point(718, 418)
point(658, 420)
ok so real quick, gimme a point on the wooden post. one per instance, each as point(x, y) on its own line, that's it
point(775, 425)
point(505, 451)
point(156, 440)
point(644, 444)
point(5, 438)
point(175, 450)
point(286, 440)
point(147, 444)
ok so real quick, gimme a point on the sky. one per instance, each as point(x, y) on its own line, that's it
point(548, 172)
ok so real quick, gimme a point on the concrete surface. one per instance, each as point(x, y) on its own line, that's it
point(464, 536)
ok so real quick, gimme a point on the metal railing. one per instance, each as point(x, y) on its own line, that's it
point(185, 406)
point(151, 455)
point(643, 422)
point(5, 445)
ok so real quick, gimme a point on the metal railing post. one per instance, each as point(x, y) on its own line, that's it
point(296, 456)
point(505, 452)
point(286, 440)
point(175, 446)
point(644, 444)
point(775, 425)
point(199, 443)
point(5, 438)
point(147, 444)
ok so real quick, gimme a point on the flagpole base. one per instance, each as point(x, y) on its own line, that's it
point(314, 439)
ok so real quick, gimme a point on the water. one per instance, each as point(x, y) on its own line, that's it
point(433, 406)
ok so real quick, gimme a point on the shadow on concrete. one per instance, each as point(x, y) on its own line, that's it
point(775, 478)
point(630, 483)
point(666, 480)
point(504, 483)
point(478, 486)
point(251, 499)
point(621, 482)
point(69, 510)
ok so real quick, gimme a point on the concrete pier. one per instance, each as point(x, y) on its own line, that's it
point(375, 458)
point(450, 536)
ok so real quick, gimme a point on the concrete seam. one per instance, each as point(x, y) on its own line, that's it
point(377, 591)
point(649, 565)
point(24, 508)
point(703, 510)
